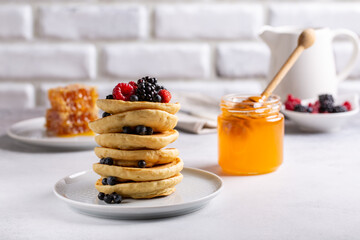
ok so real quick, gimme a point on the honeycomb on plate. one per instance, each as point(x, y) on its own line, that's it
point(72, 108)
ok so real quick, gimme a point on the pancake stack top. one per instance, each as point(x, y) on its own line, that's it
point(133, 135)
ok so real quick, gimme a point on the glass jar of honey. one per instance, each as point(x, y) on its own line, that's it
point(250, 135)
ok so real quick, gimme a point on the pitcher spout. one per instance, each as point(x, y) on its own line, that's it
point(268, 35)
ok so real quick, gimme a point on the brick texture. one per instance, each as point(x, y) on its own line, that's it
point(47, 62)
point(333, 15)
point(161, 60)
point(15, 22)
point(93, 22)
point(220, 21)
point(242, 60)
point(17, 95)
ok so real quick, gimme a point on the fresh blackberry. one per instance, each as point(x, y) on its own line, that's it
point(300, 108)
point(338, 109)
point(326, 98)
point(326, 106)
point(147, 89)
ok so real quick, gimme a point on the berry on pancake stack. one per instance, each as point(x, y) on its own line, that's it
point(138, 123)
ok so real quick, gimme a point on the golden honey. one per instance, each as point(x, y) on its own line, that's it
point(72, 108)
point(250, 135)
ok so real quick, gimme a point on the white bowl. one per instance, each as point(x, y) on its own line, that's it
point(324, 122)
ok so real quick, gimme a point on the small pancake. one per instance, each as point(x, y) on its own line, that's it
point(140, 174)
point(150, 189)
point(158, 120)
point(149, 155)
point(132, 141)
point(118, 106)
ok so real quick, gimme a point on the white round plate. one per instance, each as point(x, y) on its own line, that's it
point(33, 132)
point(197, 188)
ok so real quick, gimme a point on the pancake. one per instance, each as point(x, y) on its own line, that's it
point(130, 158)
point(132, 141)
point(150, 189)
point(158, 120)
point(140, 174)
point(118, 106)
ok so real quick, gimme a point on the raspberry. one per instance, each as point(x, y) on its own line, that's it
point(347, 104)
point(165, 96)
point(134, 85)
point(291, 102)
point(315, 107)
point(123, 91)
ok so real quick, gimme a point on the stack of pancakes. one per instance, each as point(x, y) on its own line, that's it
point(162, 170)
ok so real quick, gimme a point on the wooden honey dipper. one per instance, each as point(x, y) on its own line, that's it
point(305, 40)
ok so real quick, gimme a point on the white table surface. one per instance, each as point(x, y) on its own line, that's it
point(314, 195)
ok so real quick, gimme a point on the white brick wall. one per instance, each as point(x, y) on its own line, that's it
point(102, 42)
point(51, 61)
point(242, 60)
point(15, 22)
point(162, 60)
point(93, 22)
point(333, 15)
point(17, 95)
point(217, 21)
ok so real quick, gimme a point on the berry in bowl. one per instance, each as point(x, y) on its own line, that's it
point(324, 114)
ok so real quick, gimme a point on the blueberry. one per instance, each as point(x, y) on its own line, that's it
point(108, 198)
point(141, 164)
point(149, 131)
point(127, 130)
point(310, 110)
point(101, 195)
point(157, 98)
point(110, 96)
point(102, 161)
point(134, 98)
point(105, 114)
point(117, 198)
point(108, 161)
point(111, 181)
point(104, 181)
point(140, 129)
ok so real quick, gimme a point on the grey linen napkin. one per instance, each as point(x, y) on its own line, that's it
point(198, 113)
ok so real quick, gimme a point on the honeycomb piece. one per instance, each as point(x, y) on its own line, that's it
point(72, 108)
point(75, 97)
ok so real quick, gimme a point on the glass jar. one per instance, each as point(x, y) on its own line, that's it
point(250, 135)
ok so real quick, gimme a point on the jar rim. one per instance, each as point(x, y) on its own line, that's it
point(235, 103)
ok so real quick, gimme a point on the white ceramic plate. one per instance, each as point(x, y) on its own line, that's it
point(329, 122)
point(197, 188)
point(33, 132)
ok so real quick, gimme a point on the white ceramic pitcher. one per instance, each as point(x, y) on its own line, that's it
point(314, 72)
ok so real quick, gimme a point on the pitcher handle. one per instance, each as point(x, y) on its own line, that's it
point(355, 41)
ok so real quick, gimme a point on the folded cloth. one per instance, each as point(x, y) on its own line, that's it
point(198, 113)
